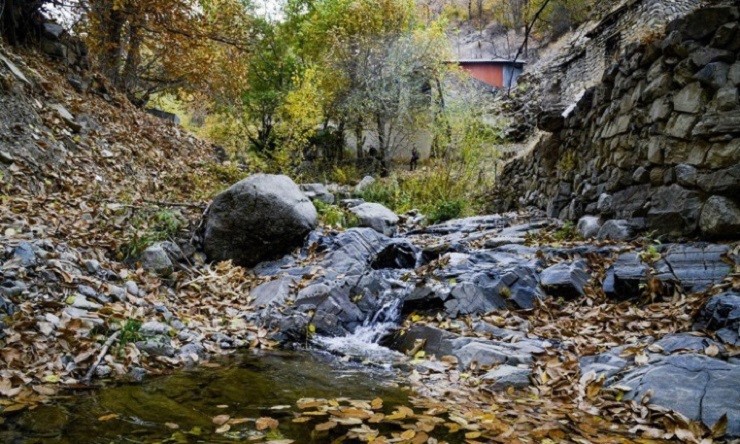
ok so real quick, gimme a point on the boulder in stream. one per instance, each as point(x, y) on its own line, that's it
point(260, 218)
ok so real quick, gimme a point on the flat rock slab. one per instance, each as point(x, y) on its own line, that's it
point(692, 267)
point(468, 351)
point(697, 386)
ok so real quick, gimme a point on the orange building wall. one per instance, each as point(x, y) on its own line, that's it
point(490, 74)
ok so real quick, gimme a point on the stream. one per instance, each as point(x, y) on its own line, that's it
point(253, 385)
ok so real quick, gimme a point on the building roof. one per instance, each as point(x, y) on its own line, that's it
point(509, 61)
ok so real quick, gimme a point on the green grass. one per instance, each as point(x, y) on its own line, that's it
point(436, 190)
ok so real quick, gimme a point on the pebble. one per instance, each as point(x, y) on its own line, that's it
point(132, 288)
point(92, 266)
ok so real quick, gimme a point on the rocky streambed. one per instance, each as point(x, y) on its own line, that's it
point(504, 328)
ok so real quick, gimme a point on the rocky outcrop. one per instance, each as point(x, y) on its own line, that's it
point(658, 141)
point(262, 217)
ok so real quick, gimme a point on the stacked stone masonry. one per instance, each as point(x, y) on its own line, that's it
point(657, 142)
point(629, 23)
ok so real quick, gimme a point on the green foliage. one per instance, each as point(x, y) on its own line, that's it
point(150, 226)
point(446, 210)
point(650, 254)
point(129, 333)
point(435, 190)
point(567, 232)
point(335, 216)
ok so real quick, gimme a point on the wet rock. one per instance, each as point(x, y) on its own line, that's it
point(697, 386)
point(399, 254)
point(720, 218)
point(507, 376)
point(156, 260)
point(377, 217)
point(354, 250)
point(317, 191)
point(565, 279)
point(261, 217)
point(589, 226)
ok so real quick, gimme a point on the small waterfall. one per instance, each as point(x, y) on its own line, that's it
point(363, 342)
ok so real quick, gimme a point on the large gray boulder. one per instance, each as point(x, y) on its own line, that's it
point(262, 217)
point(377, 217)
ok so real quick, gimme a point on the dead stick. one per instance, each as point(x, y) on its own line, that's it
point(175, 204)
point(104, 351)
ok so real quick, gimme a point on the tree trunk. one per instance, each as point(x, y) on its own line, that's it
point(110, 24)
point(129, 77)
point(359, 140)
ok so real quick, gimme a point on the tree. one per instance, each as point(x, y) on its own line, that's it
point(147, 46)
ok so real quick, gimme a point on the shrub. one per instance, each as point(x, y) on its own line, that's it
point(148, 227)
point(335, 216)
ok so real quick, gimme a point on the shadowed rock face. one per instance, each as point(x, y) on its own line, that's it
point(260, 218)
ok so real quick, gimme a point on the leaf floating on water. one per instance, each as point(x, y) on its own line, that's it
point(301, 419)
point(376, 404)
point(265, 423)
point(171, 425)
point(221, 419)
point(223, 429)
point(280, 441)
point(324, 426)
point(108, 417)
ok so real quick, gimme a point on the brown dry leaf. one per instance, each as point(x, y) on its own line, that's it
point(108, 417)
point(265, 423)
point(712, 350)
point(324, 426)
point(220, 419)
point(408, 434)
point(223, 429)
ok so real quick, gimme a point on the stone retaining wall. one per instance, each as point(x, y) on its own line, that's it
point(656, 141)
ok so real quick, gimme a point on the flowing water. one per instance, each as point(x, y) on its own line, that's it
point(362, 345)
